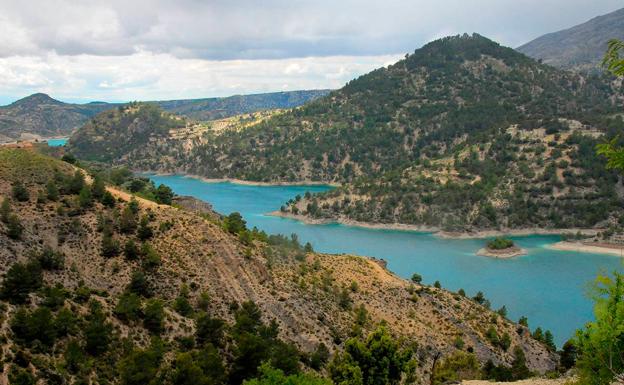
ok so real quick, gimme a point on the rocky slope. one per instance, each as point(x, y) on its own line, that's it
point(581, 47)
point(462, 134)
point(313, 298)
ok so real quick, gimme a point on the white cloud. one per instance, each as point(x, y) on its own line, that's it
point(149, 76)
point(189, 48)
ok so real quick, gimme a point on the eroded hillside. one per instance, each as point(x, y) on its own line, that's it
point(150, 274)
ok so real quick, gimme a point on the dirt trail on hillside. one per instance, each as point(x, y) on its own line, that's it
point(119, 194)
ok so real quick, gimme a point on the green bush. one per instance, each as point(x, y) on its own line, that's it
point(97, 330)
point(128, 307)
point(154, 316)
point(20, 280)
point(20, 193)
point(456, 367)
point(500, 244)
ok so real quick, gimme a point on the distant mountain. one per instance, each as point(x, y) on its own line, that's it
point(580, 47)
point(39, 115)
point(462, 134)
point(219, 108)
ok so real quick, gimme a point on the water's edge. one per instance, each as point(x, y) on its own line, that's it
point(548, 286)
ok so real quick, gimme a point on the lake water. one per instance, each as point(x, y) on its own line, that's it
point(547, 286)
point(57, 142)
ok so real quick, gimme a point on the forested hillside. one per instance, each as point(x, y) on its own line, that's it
point(100, 286)
point(509, 140)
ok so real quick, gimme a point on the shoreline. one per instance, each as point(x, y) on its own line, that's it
point(587, 247)
point(239, 181)
point(512, 232)
point(437, 232)
point(349, 222)
point(33, 140)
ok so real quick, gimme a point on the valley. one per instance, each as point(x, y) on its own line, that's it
point(449, 215)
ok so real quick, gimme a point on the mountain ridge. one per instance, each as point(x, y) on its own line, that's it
point(39, 115)
point(580, 47)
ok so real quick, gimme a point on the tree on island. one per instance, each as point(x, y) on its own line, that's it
point(500, 244)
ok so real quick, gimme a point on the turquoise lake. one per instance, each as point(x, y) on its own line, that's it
point(547, 286)
point(57, 142)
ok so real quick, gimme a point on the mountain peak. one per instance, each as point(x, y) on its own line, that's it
point(36, 99)
point(459, 48)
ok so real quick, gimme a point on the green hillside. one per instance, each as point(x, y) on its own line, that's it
point(487, 109)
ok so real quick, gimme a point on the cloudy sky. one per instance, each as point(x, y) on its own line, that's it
point(146, 50)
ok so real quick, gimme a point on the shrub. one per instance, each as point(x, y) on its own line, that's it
point(500, 244)
point(139, 284)
point(85, 198)
point(354, 365)
point(50, 259)
point(209, 330)
point(145, 230)
point(19, 376)
point(151, 259)
point(182, 304)
point(5, 210)
point(52, 192)
point(20, 280)
point(458, 366)
point(128, 307)
point(20, 193)
point(110, 246)
point(234, 223)
point(271, 376)
point(154, 316)
point(14, 227)
point(37, 325)
point(131, 251)
point(164, 194)
point(97, 331)
point(127, 220)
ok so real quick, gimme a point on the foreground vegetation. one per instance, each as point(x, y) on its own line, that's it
point(100, 287)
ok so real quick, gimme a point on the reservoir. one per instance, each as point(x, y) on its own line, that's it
point(547, 286)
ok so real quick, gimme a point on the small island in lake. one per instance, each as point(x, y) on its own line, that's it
point(501, 248)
